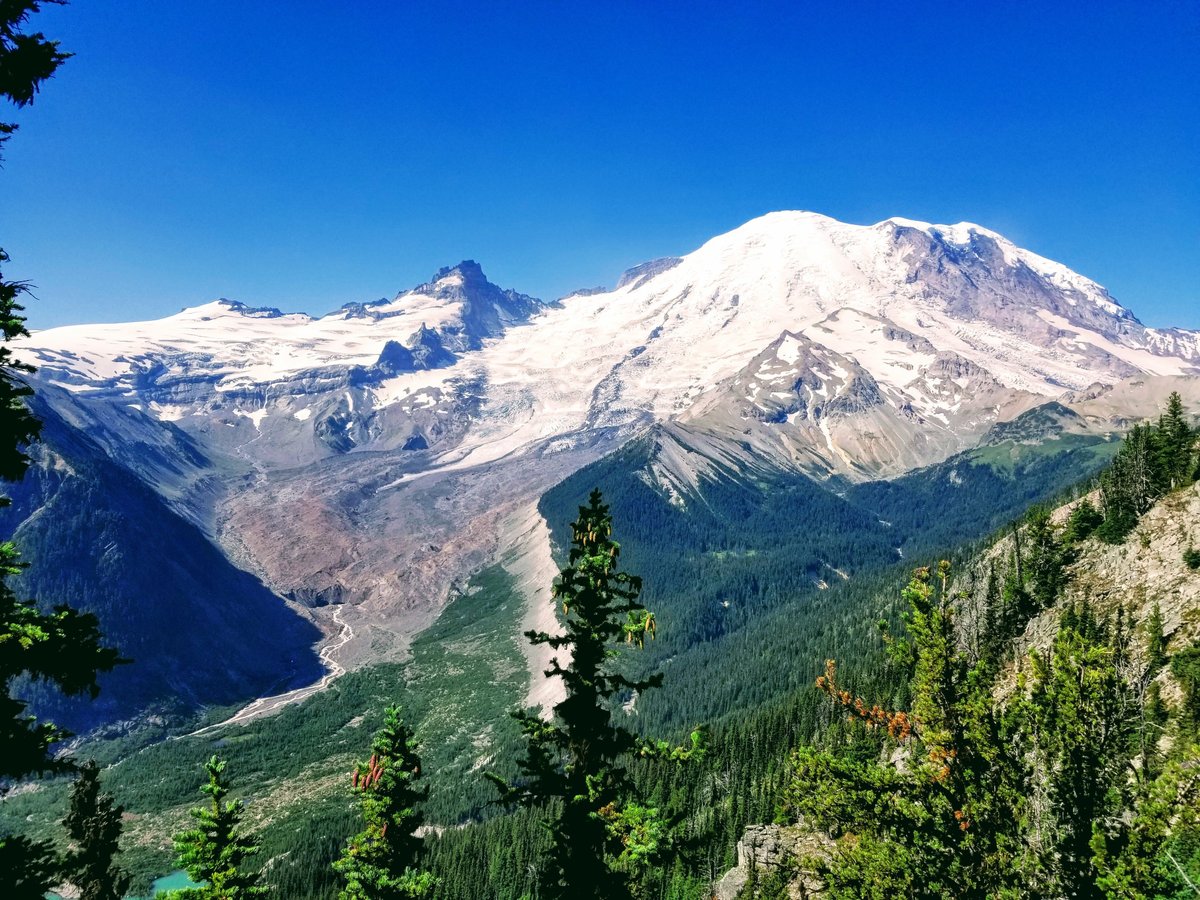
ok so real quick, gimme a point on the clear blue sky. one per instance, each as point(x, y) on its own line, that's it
point(304, 154)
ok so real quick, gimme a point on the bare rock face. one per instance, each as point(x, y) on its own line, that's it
point(765, 849)
point(1145, 571)
point(799, 402)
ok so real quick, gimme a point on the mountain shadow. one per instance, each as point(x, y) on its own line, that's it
point(200, 631)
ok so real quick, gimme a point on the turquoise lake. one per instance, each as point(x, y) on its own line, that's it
point(171, 882)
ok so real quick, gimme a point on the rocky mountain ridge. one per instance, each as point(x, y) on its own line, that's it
point(372, 456)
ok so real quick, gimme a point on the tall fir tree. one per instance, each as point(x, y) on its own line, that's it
point(214, 853)
point(575, 767)
point(93, 823)
point(380, 862)
point(26, 60)
point(1176, 441)
point(1083, 732)
point(63, 646)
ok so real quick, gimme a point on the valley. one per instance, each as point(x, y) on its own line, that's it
point(370, 506)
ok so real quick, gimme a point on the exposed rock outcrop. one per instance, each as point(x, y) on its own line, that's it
point(765, 849)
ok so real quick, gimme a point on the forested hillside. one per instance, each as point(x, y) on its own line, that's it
point(757, 579)
point(753, 584)
point(1041, 735)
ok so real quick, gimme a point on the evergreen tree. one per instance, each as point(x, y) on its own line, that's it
point(93, 823)
point(1176, 441)
point(574, 767)
point(1185, 666)
point(26, 60)
point(1084, 734)
point(1156, 640)
point(927, 801)
point(1046, 559)
point(1132, 854)
point(1082, 522)
point(62, 647)
point(214, 853)
point(379, 863)
point(1152, 461)
point(1128, 486)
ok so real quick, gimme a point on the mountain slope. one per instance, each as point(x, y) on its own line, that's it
point(375, 457)
point(199, 631)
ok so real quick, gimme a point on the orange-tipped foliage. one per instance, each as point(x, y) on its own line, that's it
point(899, 725)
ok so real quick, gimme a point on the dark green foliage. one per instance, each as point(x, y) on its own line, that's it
point(1175, 446)
point(959, 795)
point(93, 824)
point(214, 853)
point(574, 767)
point(499, 858)
point(1128, 487)
point(380, 862)
point(1045, 559)
point(61, 648)
point(1153, 460)
point(1156, 641)
point(19, 425)
point(1151, 853)
point(1191, 558)
point(746, 575)
point(944, 824)
point(1081, 728)
point(27, 868)
point(203, 632)
point(1185, 666)
point(1083, 522)
point(26, 58)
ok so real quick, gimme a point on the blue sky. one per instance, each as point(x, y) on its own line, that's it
point(303, 154)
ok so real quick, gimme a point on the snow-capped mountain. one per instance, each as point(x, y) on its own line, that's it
point(946, 329)
point(375, 455)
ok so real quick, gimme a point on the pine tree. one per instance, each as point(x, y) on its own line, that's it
point(575, 763)
point(1046, 559)
point(1084, 733)
point(945, 821)
point(93, 823)
point(26, 60)
point(379, 863)
point(1185, 666)
point(1176, 440)
point(214, 853)
point(61, 647)
point(1156, 640)
point(1082, 522)
point(1152, 461)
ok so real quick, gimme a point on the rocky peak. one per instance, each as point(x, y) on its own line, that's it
point(640, 274)
point(251, 312)
point(466, 274)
